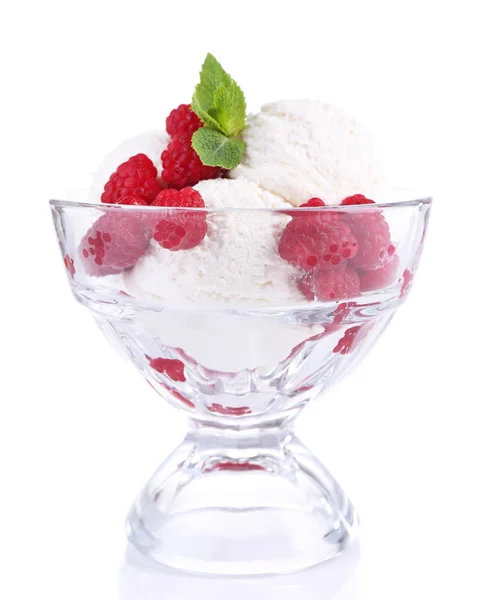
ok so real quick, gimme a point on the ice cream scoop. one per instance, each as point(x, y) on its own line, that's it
point(298, 149)
point(237, 265)
point(243, 247)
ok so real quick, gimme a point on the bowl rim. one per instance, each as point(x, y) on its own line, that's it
point(291, 211)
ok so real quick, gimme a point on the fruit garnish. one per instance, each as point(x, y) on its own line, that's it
point(373, 237)
point(339, 283)
point(182, 166)
point(307, 243)
point(313, 202)
point(132, 201)
point(231, 411)
point(180, 230)
point(182, 121)
point(173, 368)
point(70, 265)
point(380, 278)
point(346, 343)
point(135, 177)
point(356, 199)
point(407, 278)
point(114, 242)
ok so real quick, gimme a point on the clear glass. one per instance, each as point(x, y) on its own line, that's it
point(241, 333)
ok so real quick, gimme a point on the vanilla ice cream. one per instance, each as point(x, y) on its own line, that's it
point(237, 265)
point(300, 149)
point(237, 262)
point(151, 143)
point(295, 150)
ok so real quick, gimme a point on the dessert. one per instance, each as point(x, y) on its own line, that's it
point(243, 265)
point(293, 153)
point(299, 149)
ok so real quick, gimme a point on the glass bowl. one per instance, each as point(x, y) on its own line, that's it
point(241, 331)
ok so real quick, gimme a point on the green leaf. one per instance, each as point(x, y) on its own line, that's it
point(218, 100)
point(229, 108)
point(206, 118)
point(211, 76)
point(217, 150)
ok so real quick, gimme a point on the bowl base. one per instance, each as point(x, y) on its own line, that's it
point(242, 510)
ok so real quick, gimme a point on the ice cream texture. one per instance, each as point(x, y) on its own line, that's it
point(295, 150)
point(236, 263)
point(298, 149)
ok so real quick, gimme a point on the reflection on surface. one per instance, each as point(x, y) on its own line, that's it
point(142, 579)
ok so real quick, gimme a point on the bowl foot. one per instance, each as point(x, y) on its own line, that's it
point(241, 503)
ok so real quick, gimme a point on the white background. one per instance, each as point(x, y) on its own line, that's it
point(80, 432)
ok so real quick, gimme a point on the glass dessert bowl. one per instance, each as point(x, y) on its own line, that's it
point(241, 333)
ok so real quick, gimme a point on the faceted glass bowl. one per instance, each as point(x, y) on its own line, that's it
point(241, 339)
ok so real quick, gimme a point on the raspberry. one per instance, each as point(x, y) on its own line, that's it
point(173, 368)
point(342, 311)
point(333, 284)
point(345, 344)
point(374, 240)
point(313, 202)
point(407, 278)
point(232, 411)
point(182, 120)
point(320, 242)
point(182, 166)
point(132, 201)
point(380, 278)
point(137, 176)
point(356, 199)
point(70, 265)
point(235, 466)
point(180, 230)
point(114, 242)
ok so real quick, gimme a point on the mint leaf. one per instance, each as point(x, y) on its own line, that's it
point(229, 108)
point(206, 118)
point(211, 76)
point(217, 150)
point(218, 100)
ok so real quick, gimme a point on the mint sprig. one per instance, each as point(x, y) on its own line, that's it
point(220, 104)
point(217, 150)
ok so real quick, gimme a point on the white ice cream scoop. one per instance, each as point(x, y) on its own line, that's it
point(301, 149)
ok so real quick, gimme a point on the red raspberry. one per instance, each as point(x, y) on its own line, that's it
point(114, 242)
point(70, 265)
point(132, 201)
point(339, 283)
point(180, 230)
point(342, 311)
point(182, 166)
point(137, 176)
point(372, 233)
point(320, 242)
point(380, 278)
point(356, 199)
point(232, 411)
point(173, 368)
point(313, 202)
point(182, 120)
point(374, 240)
point(235, 466)
point(346, 343)
point(407, 278)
